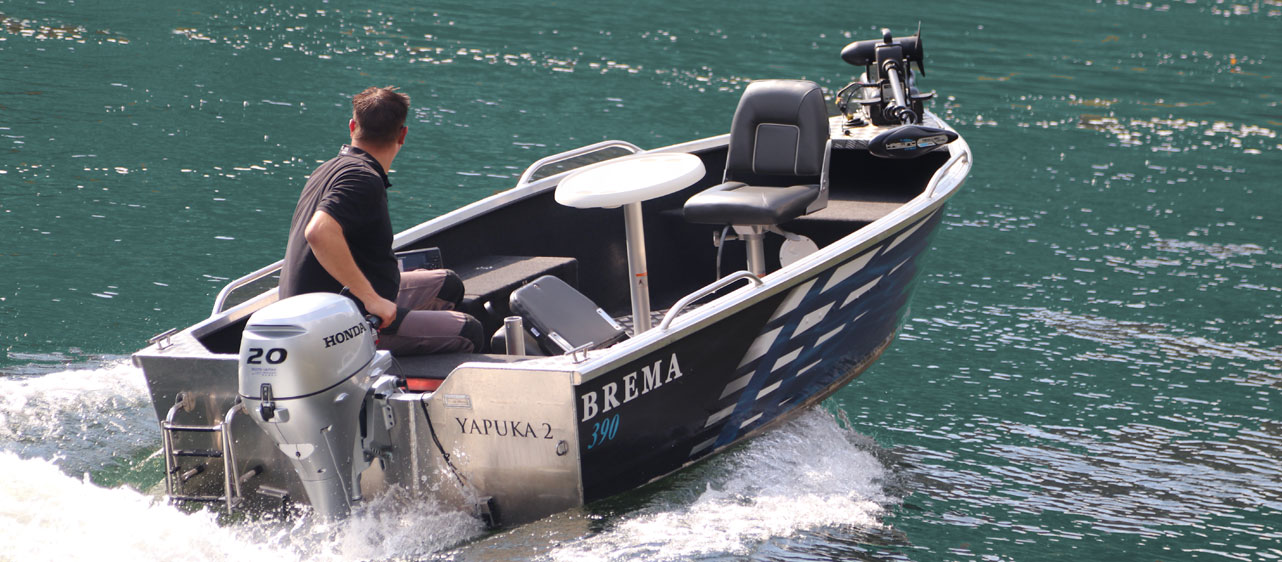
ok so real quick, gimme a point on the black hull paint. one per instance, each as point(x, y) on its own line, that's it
point(714, 387)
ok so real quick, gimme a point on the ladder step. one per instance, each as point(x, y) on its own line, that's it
point(193, 428)
point(207, 499)
point(206, 453)
point(175, 475)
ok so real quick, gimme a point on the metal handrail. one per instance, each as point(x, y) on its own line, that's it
point(945, 170)
point(231, 480)
point(168, 444)
point(541, 162)
point(221, 299)
point(705, 291)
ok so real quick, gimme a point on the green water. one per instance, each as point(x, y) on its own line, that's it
point(1091, 363)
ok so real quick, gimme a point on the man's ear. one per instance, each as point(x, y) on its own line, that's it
point(351, 126)
point(401, 139)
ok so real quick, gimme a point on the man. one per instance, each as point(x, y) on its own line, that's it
point(341, 236)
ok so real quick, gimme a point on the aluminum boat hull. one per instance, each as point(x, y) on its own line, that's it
point(536, 436)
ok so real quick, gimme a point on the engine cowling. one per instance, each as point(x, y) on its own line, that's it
point(307, 364)
point(302, 345)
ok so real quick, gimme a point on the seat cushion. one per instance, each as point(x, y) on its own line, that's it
point(739, 203)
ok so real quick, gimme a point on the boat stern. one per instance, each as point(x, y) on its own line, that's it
point(507, 434)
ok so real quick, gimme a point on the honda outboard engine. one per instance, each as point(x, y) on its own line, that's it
point(308, 372)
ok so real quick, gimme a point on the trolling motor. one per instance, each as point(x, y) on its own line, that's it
point(311, 379)
point(888, 96)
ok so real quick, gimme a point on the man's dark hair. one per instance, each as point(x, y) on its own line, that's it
point(379, 114)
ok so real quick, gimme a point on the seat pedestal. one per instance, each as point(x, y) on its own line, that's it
point(754, 236)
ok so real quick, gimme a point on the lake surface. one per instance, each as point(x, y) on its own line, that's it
point(1090, 369)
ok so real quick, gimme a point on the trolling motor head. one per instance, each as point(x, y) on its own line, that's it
point(888, 88)
point(308, 376)
point(864, 53)
point(888, 95)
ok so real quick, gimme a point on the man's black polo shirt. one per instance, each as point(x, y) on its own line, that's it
point(352, 188)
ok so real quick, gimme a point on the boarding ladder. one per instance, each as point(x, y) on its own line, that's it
point(177, 475)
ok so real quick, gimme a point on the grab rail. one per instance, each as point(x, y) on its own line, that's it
point(705, 291)
point(528, 175)
point(221, 299)
point(945, 170)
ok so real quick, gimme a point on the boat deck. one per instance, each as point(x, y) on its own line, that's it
point(439, 365)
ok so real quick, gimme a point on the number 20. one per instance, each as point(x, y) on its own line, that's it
point(274, 356)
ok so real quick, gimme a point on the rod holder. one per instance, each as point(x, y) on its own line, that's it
point(514, 335)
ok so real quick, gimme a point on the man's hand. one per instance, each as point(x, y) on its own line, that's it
point(382, 308)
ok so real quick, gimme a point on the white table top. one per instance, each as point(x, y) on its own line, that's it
point(630, 179)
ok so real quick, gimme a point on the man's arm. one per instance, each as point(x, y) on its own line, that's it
point(325, 236)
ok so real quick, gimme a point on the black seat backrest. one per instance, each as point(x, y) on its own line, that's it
point(780, 129)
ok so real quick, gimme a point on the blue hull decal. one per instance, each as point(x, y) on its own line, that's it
point(706, 390)
point(818, 334)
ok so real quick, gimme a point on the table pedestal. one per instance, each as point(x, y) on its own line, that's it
point(637, 273)
point(626, 182)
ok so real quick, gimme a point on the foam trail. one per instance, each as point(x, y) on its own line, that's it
point(57, 426)
point(810, 473)
point(47, 515)
point(85, 416)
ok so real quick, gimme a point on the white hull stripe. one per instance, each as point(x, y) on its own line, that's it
point(700, 447)
point(719, 416)
point(810, 320)
point(759, 347)
point(836, 331)
point(736, 385)
point(901, 264)
point(860, 291)
point(849, 268)
point(794, 298)
point(768, 389)
point(829, 335)
point(808, 367)
point(786, 359)
point(906, 235)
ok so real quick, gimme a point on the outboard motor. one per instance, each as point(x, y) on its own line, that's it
point(309, 371)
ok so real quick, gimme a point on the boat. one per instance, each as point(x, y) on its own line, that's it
point(649, 310)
